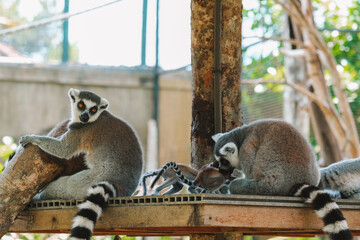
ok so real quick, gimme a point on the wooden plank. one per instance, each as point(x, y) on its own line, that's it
point(189, 215)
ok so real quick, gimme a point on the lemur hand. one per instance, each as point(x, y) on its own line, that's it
point(28, 139)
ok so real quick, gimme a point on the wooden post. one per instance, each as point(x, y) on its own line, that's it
point(203, 237)
point(231, 64)
point(202, 54)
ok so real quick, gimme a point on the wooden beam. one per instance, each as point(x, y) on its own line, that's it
point(188, 215)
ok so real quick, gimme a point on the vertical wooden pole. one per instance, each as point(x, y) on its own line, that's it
point(202, 56)
point(203, 237)
point(202, 61)
point(231, 64)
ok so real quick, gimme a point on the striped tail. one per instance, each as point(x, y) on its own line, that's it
point(326, 209)
point(181, 176)
point(143, 180)
point(90, 210)
point(161, 172)
point(177, 171)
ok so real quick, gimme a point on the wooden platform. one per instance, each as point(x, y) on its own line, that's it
point(187, 215)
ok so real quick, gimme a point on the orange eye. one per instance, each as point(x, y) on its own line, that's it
point(81, 105)
point(93, 110)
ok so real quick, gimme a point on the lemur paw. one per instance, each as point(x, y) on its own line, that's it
point(28, 139)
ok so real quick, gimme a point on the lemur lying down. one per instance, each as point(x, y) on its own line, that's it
point(206, 179)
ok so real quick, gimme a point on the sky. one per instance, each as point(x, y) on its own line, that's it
point(112, 35)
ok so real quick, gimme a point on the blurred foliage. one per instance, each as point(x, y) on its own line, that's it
point(7, 146)
point(40, 236)
point(43, 43)
point(338, 22)
point(27, 236)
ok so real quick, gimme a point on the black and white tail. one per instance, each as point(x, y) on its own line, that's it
point(90, 210)
point(177, 171)
point(327, 210)
point(144, 177)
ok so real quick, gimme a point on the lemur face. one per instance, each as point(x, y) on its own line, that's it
point(86, 106)
point(226, 153)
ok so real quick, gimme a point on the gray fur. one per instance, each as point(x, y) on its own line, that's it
point(343, 176)
point(272, 154)
point(113, 151)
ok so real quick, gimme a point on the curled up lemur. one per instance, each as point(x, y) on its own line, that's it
point(112, 153)
point(277, 160)
point(206, 179)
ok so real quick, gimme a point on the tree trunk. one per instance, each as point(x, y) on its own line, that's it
point(294, 101)
point(202, 56)
point(330, 150)
point(329, 147)
point(28, 172)
point(339, 119)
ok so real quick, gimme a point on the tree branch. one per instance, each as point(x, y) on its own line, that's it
point(312, 97)
point(28, 172)
point(279, 39)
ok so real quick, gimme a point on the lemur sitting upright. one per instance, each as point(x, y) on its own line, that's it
point(112, 152)
point(277, 160)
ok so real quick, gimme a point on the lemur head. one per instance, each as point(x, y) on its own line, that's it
point(86, 106)
point(226, 153)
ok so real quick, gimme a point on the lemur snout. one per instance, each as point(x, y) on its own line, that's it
point(84, 117)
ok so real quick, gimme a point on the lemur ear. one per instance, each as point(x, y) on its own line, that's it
point(216, 137)
point(73, 93)
point(228, 148)
point(104, 104)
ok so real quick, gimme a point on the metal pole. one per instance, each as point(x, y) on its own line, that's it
point(143, 33)
point(65, 43)
point(156, 68)
point(217, 67)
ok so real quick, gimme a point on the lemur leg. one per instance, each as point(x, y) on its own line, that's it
point(176, 187)
point(192, 190)
point(68, 187)
point(262, 186)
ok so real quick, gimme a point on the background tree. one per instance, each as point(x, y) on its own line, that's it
point(338, 109)
point(42, 43)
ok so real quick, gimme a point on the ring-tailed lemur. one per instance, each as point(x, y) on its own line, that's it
point(343, 177)
point(112, 154)
point(170, 179)
point(206, 179)
point(275, 159)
